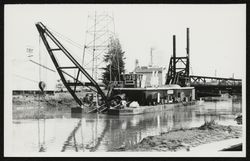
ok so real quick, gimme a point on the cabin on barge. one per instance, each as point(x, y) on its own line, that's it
point(157, 95)
point(149, 98)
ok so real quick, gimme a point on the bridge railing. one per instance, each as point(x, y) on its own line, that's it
point(214, 81)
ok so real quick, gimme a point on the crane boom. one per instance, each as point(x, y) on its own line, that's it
point(46, 35)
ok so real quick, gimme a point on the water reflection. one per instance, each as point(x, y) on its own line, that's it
point(71, 140)
point(41, 134)
point(100, 132)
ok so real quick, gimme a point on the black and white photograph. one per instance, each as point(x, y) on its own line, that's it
point(125, 80)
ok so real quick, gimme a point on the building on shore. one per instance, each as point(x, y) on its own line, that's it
point(31, 92)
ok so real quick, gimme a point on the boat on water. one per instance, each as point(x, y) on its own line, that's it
point(132, 99)
point(146, 89)
point(148, 109)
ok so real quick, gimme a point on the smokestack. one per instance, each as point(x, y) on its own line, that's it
point(174, 55)
point(188, 42)
point(188, 58)
point(136, 63)
point(151, 56)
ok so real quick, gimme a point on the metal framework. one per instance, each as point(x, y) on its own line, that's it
point(178, 73)
point(100, 28)
point(214, 81)
point(54, 47)
point(178, 70)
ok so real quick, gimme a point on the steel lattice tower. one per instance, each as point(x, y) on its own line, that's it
point(100, 29)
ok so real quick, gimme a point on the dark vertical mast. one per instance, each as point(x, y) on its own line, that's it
point(174, 57)
point(188, 58)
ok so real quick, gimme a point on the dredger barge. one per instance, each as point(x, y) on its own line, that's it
point(146, 100)
point(128, 96)
point(132, 97)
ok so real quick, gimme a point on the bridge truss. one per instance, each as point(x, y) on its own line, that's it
point(178, 73)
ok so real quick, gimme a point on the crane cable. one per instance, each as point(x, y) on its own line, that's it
point(38, 115)
point(41, 145)
point(19, 76)
point(74, 44)
point(78, 46)
point(66, 39)
point(69, 41)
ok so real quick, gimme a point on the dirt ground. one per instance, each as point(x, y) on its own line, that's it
point(186, 138)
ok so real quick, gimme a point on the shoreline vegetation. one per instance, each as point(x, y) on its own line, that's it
point(185, 139)
point(33, 106)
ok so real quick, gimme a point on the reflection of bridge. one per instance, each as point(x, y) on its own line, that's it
point(178, 73)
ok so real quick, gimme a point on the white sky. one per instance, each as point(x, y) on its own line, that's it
point(217, 35)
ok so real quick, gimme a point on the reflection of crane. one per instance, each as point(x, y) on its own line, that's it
point(74, 144)
point(100, 138)
point(54, 47)
point(72, 136)
point(41, 144)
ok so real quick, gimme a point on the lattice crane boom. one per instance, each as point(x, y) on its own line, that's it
point(46, 35)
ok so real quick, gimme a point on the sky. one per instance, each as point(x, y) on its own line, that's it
point(217, 36)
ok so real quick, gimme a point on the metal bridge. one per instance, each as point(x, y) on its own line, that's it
point(178, 73)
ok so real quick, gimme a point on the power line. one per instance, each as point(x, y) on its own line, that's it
point(42, 66)
point(26, 78)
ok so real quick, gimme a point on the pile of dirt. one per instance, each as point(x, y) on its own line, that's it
point(211, 125)
point(187, 138)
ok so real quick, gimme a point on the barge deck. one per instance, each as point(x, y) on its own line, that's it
point(148, 109)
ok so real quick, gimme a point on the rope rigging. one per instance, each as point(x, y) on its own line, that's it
point(41, 146)
point(70, 41)
point(26, 78)
point(67, 39)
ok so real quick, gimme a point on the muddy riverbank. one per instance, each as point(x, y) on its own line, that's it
point(31, 106)
point(186, 139)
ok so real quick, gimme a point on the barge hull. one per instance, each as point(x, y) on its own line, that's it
point(149, 109)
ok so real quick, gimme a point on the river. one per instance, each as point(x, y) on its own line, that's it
point(100, 132)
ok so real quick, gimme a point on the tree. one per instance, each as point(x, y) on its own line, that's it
point(115, 62)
